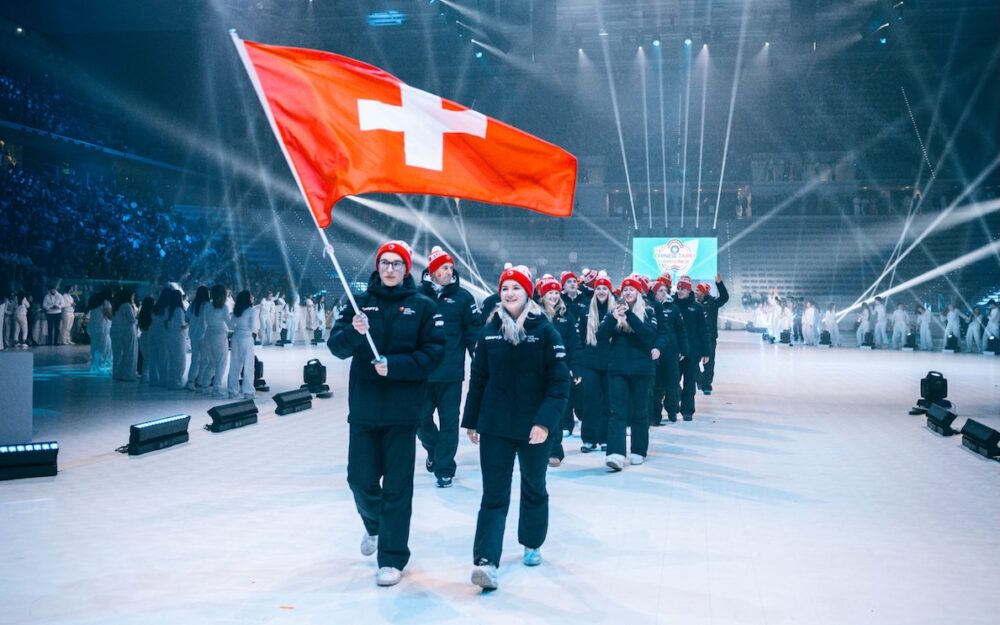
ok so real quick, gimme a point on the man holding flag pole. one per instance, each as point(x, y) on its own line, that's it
point(347, 128)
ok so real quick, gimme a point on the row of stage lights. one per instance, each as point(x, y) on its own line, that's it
point(933, 403)
point(28, 460)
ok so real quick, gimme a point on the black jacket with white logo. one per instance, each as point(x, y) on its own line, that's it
point(461, 327)
point(629, 353)
point(407, 330)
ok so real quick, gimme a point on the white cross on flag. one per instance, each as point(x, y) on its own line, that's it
point(350, 128)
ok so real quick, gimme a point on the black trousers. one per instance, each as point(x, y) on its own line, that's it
point(594, 406)
point(797, 330)
point(386, 455)
point(496, 457)
point(689, 384)
point(54, 323)
point(629, 396)
point(568, 420)
point(441, 441)
point(708, 373)
point(667, 385)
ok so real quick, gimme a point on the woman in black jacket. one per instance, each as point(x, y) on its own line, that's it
point(631, 328)
point(592, 367)
point(518, 390)
point(552, 304)
point(384, 400)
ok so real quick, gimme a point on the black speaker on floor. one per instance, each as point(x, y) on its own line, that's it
point(786, 337)
point(259, 383)
point(28, 460)
point(293, 401)
point(158, 434)
point(993, 345)
point(314, 376)
point(824, 338)
point(939, 419)
point(981, 439)
point(232, 416)
point(951, 343)
point(868, 340)
point(911, 340)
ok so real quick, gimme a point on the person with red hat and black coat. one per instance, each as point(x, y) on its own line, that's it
point(577, 302)
point(631, 330)
point(671, 345)
point(697, 338)
point(518, 389)
point(384, 397)
point(591, 365)
point(555, 309)
point(711, 305)
point(458, 310)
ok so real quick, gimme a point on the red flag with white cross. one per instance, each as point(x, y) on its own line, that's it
point(350, 128)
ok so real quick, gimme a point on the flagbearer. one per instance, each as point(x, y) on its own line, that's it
point(384, 397)
point(460, 314)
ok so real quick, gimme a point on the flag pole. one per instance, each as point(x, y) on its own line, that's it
point(327, 246)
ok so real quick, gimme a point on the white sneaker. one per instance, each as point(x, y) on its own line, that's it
point(369, 544)
point(615, 462)
point(388, 576)
point(636, 459)
point(485, 576)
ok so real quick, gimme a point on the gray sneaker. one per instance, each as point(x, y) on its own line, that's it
point(615, 462)
point(369, 544)
point(485, 576)
point(388, 576)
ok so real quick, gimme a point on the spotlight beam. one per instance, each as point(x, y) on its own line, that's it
point(701, 138)
point(732, 105)
point(687, 118)
point(645, 135)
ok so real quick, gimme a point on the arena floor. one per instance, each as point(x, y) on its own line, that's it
point(801, 493)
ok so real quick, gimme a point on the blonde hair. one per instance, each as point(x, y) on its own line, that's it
point(559, 310)
point(638, 308)
point(593, 322)
point(513, 329)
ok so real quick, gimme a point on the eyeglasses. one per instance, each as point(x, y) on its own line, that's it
point(396, 265)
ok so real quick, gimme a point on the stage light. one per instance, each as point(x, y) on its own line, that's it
point(767, 43)
point(687, 41)
point(28, 460)
point(656, 43)
point(314, 376)
point(19, 30)
point(580, 51)
point(933, 390)
point(391, 17)
point(293, 401)
point(232, 416)
point(981, 439)
point(939, 419)
point(157, 434)
point(479, 54)
point(882, 40)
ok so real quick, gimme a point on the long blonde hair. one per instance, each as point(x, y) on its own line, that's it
point(593, 320)
point(559, 310)
point(513, 329)
point(638, 308)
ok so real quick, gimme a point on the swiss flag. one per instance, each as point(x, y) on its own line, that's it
point(351, 128)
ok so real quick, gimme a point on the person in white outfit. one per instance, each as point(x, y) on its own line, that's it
point(99, 329)
point(809, 323)
point(52, 304)
point(830, 325)
point(21, 320)
point(974, 333)
point(157, 366)
point(175, 340)
point(881, 320)
point(68, 315)
point(292, 325)
point(900, 324)
point(124, 337)
point(774, 322)
point(864, 323)
point(196, 334)
point(953, 325)
point(992, 324)
point(267, 319)
point(310, 318)
point(218, 323)
point(242, 351)
point(924, 328)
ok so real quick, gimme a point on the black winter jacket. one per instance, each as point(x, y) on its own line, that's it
point(629, 353)
point(694, 326)
point(515, 387)
point(565, 325)
point(461, 327)
point(406, 329)
point(578, 307)
point(671, 337)
point(592, 356)
point(712, 306)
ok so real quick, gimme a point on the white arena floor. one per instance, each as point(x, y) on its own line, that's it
point(801, 493)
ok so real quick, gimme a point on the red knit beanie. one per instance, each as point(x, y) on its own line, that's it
point(602, 279)
point(684, 282)
point(566, 275)
point(548, 284)
point(437, 258)
point(396, 247)
point(704, 288)
point(519, 274)
point(634, 282)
